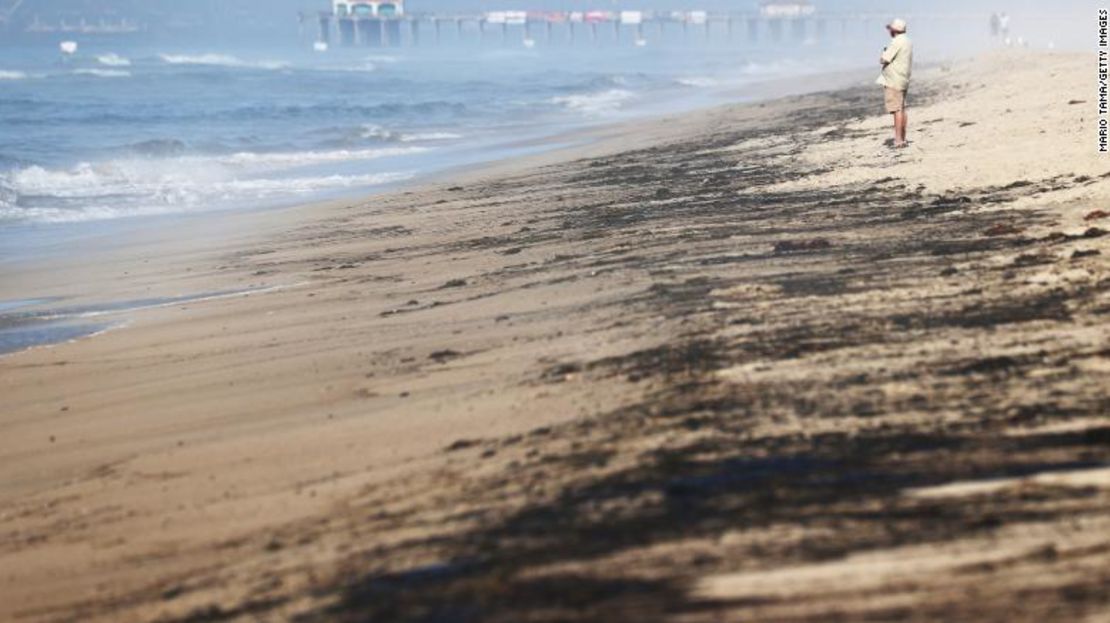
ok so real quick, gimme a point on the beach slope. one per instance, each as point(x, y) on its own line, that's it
point(748, 364)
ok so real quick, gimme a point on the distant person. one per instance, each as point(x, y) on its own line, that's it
point(897, 62)
point(996, 25)
point(1004, 25)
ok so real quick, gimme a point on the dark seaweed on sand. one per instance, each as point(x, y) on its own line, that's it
point(613, 518)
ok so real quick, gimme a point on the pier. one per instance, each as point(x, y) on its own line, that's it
point(383, 23)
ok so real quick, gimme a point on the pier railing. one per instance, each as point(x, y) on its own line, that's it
point(632, 27)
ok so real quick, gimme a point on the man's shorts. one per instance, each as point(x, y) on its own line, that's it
point(895, 100)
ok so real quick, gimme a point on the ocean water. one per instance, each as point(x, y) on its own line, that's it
point(124, 130)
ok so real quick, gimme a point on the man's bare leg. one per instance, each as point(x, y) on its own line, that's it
point(900, 123)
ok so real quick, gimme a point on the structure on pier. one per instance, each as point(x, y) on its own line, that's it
point(786, 9)
point(369, 8)
point(363, 22)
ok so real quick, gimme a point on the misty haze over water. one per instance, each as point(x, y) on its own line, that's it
point(217, 104)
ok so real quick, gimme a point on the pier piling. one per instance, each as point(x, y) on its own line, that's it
point(775, 26)
point(324, 35)
point(369, 32)
point(347, 34)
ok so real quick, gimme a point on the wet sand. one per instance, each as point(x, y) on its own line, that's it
point(744, 365)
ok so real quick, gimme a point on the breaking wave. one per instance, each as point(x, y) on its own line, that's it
point(283, 160)
point(375, 132)
point(167, 183)
point(103, 73)
point(96, 192)
point(600, 102)
point(112, 59)
point(698, 82)
point(430, 136)
point(220, 60)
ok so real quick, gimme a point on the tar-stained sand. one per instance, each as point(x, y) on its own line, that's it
point(746, 365)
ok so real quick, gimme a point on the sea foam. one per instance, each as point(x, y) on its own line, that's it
point(286, 160)
point(112, 59)
point(595, 103)
point(220, 60)
point(376, 132)
point(103, 73)
point(90, 192)
point(698, 82)
point(160, 178)
point(417, 137)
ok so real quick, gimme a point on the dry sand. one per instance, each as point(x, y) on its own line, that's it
point(744, 365)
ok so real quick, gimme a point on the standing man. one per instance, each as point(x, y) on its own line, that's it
point(897, 62)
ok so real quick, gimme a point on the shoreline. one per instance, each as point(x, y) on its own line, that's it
point(103, 238)
point(561, 141)
point(742, 364)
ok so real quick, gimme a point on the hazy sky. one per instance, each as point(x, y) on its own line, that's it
point(215, 6)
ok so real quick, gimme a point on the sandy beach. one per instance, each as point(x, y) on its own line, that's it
point(747, 364)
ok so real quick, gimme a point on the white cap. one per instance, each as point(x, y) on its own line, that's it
point(897, 25)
